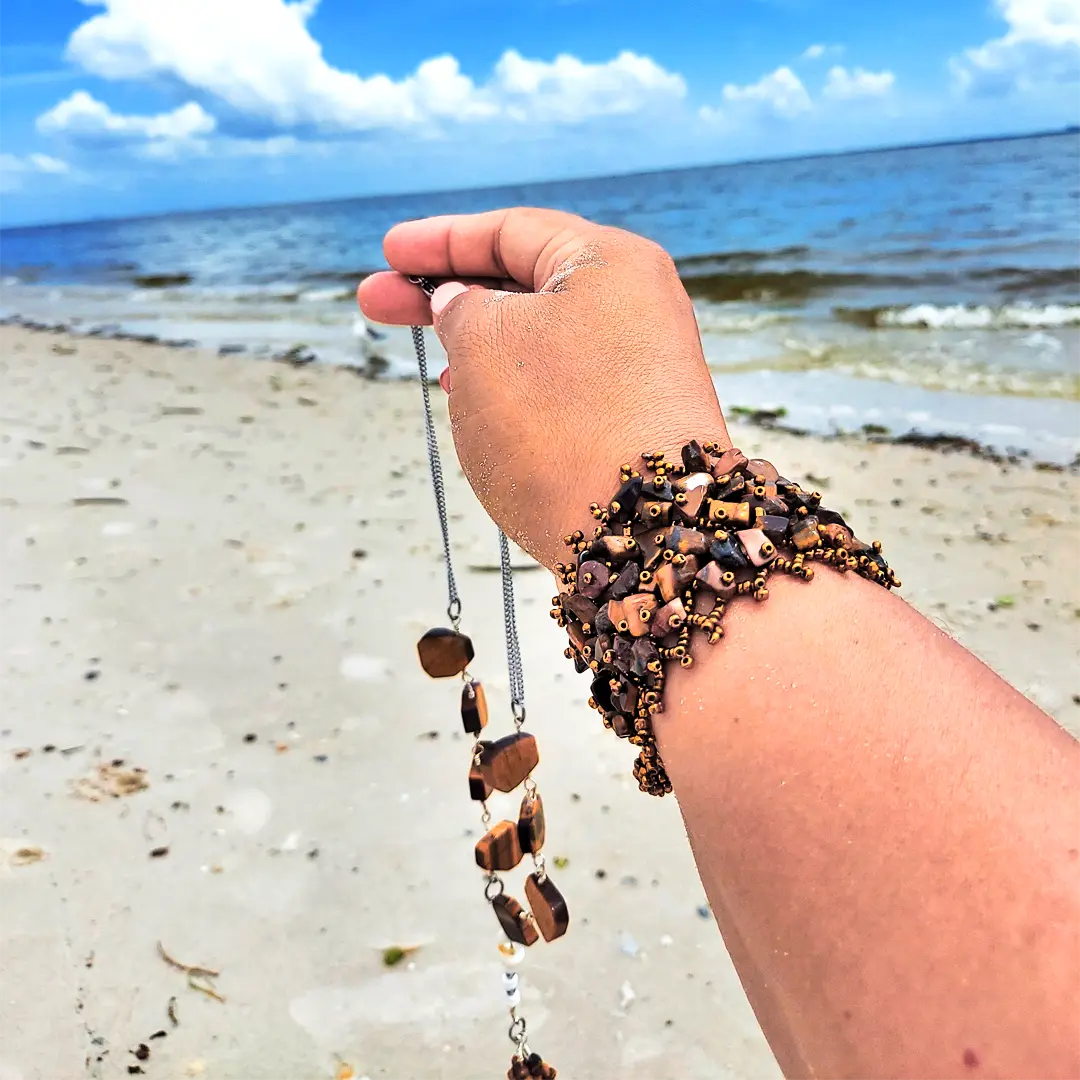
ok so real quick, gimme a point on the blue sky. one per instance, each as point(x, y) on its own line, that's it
point(126, 107)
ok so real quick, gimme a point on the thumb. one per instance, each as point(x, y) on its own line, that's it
point(451, 304)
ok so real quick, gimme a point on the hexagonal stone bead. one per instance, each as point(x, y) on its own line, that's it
point(499, 848)
point(444, 652)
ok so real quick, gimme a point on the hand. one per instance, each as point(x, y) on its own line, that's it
point(572, 348)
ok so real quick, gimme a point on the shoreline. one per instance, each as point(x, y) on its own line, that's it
point(216, 572)
point(376, 368)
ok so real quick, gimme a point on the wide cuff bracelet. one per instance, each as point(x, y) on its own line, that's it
point(675, 546)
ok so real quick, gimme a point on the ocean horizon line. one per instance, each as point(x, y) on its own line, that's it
point(1070, 129)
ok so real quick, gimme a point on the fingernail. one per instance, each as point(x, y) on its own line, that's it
point(444, 294)
point(444, 380)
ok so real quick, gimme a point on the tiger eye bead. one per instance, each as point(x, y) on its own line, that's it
point(804, 533)
point(507, 761)
point(531, 826)
point(548, 906)
point(444, 652)
point(515, 923)
point(729, 513)
point(474, 710)
point(499, 848)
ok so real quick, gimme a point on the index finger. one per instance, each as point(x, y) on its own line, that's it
point(523, 243)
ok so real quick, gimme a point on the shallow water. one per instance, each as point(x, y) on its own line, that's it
point(934, 288)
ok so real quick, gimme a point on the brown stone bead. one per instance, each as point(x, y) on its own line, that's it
point(592, 578)
point(685, 541)
point(515, 923)
point(547, 905)
point(638, 611)
point(653, 511)
point(499, 848)
point(667, 582)
point(761, 467)
point(774, 526)
point(686, 573)
point(643, 653)
point(651, 543)
point(616, 612)
point(507, 761)
point(625, 699)
point(531, 828)
point(693, 457)
point(615, 548)
point(693, 481)
point(580, 607)
point(837, 536)
point(626, 583)
point(479, 786)
point(759, 548)
point(668, 619)
point(804, 533)
point(714, 577)
point(730, 461)
point(690, 506)
point(622, 506)
point(730, 488)
point(444, 652)
point(622, 725)
point(729, 513)
point(474, 710)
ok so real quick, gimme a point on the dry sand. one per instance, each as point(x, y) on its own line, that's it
point(242, 626)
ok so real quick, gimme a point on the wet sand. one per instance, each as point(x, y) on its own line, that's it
point(215, 570)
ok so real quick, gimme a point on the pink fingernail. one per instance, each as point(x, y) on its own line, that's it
point(444, 294)
point(444, 380)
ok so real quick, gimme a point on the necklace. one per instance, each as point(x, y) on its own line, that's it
point(496, 765)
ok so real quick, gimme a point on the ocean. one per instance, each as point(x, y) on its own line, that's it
point(931, 289)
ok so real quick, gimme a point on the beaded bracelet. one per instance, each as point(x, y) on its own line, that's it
point(675, 546)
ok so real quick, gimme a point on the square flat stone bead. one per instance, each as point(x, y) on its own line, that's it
point(579, 607)
point(626, 583)
point(638, 610)
point(547, 905)
point(729, 553)
point(774, 526)
point(685, 541)
point(717, 580)
point(653, 511)
point(515, 923)
point(761, 467)
point(668, 619)
point(839, 536)
point(531, 826)
point(804, 533)
point(730, 461)
point(499, 848)
point(592, 578)
point(758, 547)
point(507, 761)
point(444, 652)
point(693, 481)
point(614, 548)
point(479, 787)
point(474, 710)
point(729, 513)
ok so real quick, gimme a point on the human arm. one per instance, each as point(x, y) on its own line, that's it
point(887, 831)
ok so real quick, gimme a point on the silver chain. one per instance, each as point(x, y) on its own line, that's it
point(513, 644)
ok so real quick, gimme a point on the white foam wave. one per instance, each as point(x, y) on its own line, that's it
point(711, 321)
point(980, 316)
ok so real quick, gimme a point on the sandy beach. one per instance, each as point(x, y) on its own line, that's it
point(215, 572)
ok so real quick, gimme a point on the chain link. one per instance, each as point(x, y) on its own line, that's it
point(453, 609)
point(513, 645)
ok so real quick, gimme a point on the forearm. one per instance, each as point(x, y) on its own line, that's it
point(888, 834)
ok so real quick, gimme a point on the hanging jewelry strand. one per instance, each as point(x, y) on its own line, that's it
point(499, 765)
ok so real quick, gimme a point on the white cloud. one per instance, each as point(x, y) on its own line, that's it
point(816, 52)
point(83, 118)
point(258, 59)
point(14, 169)
point(781, 93)
point(1040, 50)
point(843, 85)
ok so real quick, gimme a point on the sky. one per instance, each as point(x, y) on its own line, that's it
point(119, 108)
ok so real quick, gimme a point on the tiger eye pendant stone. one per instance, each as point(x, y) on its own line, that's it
point(531, 826)
point(515, 923)
point(479, 786)
point(474, 711)
point(547, 905)
point(507, 761)
point(444, 652)
point(499, 848)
